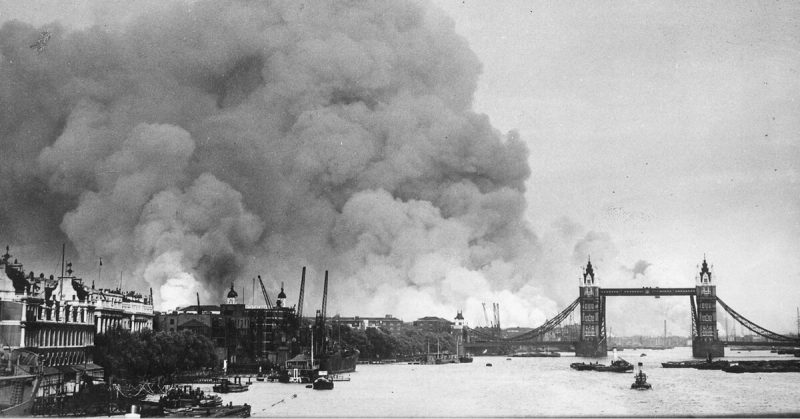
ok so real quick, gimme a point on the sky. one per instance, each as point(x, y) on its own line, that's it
point(672, 126)
point(657, 133)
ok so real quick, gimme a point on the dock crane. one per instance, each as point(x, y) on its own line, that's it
point(264, 291)
point(300, 300)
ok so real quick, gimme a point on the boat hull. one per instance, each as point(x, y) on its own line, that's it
point(339, 362)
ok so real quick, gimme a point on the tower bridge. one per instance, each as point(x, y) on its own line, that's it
point(591, 305)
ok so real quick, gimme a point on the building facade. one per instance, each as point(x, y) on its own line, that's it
point(434, 324)
point(387, 322)
point(43, 335)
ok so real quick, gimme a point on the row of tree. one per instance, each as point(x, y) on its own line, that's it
point(148, 355)
point(379, 343)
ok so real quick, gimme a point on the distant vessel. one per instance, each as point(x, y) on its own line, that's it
point(619, 365)
point(322, 383)
point(226, 386)
point(333, 359)
point(536, 354)
point(339, 360)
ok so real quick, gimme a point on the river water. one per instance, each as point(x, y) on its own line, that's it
point(535, 387)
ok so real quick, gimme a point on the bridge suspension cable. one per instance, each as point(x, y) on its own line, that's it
point(752, 326)
point(547, 326)
point(484, 336)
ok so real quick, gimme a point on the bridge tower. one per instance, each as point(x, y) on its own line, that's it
point(592, 341)
point(705, 339)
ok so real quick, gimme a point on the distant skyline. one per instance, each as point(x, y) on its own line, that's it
point(658, 132)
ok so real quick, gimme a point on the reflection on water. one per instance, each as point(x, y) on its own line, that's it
point(534, 387)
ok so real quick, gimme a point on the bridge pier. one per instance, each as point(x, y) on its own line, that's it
point(591, 348)
point(706, 348)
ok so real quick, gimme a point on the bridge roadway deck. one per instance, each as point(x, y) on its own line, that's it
point(647, 291)
point(767, 344)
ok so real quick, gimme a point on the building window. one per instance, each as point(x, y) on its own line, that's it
point(171, 321)
point(589, 331)
point(706, 330)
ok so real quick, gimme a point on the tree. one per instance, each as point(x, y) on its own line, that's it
point(147, 355)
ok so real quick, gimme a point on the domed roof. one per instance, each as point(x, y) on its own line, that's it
point(282, 294)
point(232, 293)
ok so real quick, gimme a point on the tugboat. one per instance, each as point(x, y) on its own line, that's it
point(260, 375)
point(640, 380)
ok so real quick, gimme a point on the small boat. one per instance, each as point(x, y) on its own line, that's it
point(466, 359)
point(226, 386)
point(488, 364)
point(322, 383)
point(260, 375)
point(643, 355)
point(536, 354)
point(619, 365)
point(211, 401)
point(582, 366)
point(640, 380)
point(681, 364)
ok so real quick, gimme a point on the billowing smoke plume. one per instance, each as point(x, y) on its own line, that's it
point(210, 142)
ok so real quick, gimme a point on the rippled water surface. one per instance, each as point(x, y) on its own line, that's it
point(534, 387)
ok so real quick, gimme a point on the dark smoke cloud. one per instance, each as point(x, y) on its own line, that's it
point(639, 268)
point(213, 141)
